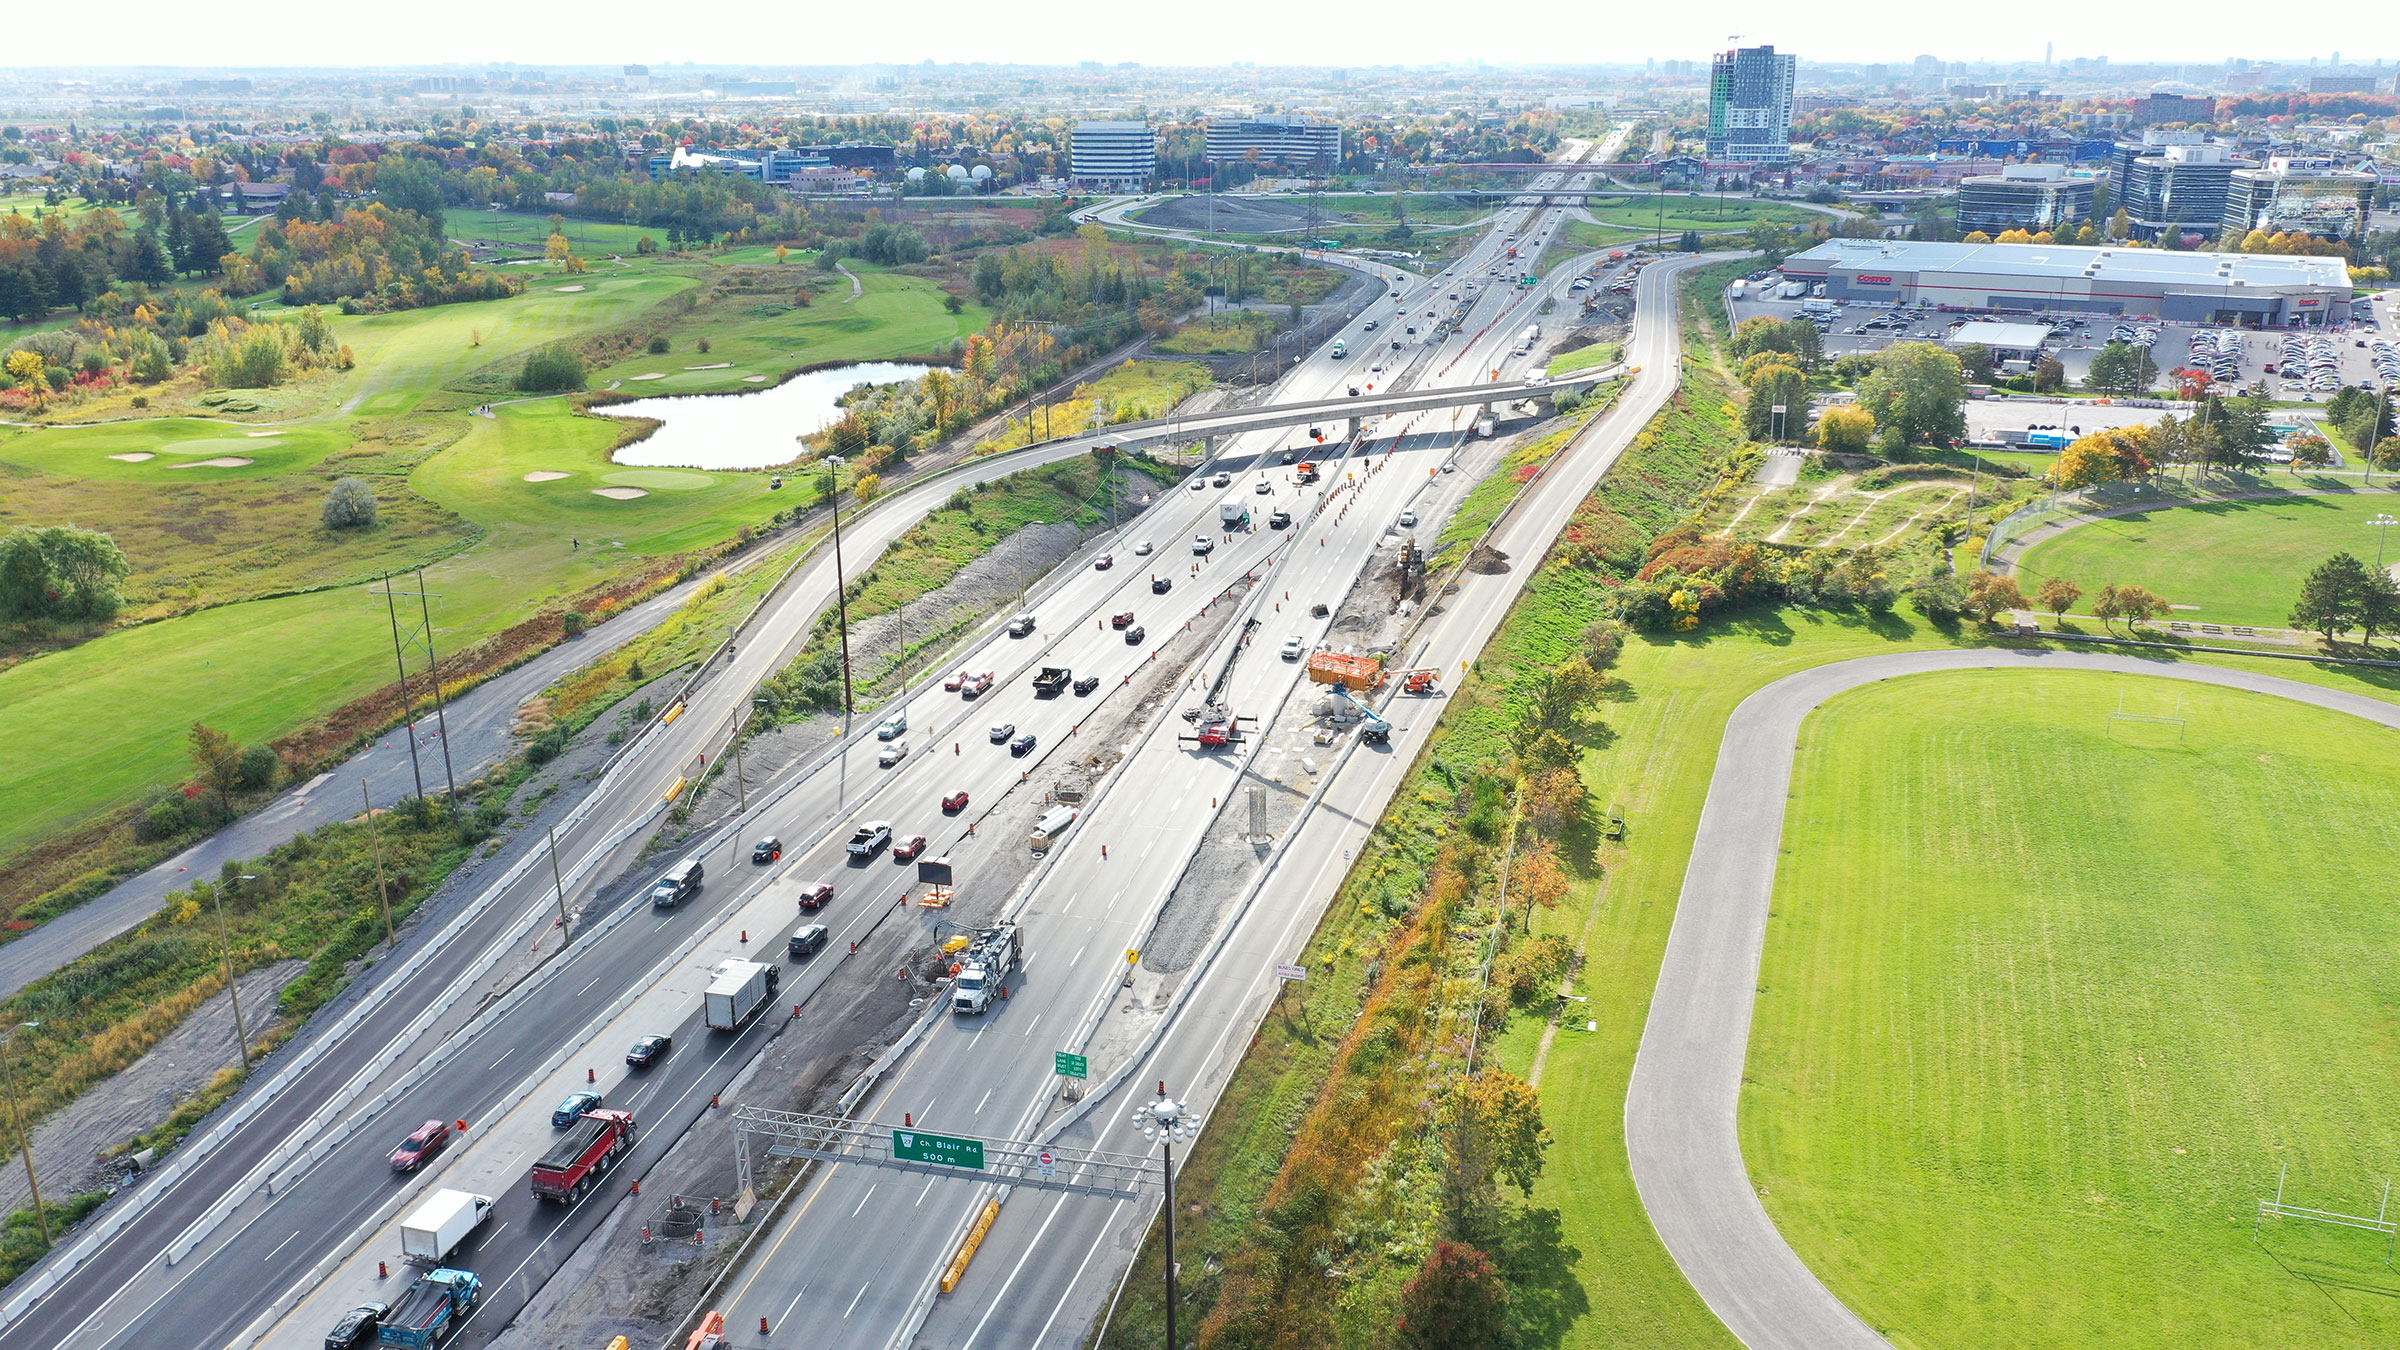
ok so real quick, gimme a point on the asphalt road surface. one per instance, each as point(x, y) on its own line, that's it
point(1680, 1110)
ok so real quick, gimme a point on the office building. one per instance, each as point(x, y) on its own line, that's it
point(2031, 197)
point(2161, 109)
point(1113, 156)
point(1750, 106)
point(2299, 196)
point(685, 158)
point(1303, 143)
point(2245, 289)
point(2180, 190)
point(2342, 84)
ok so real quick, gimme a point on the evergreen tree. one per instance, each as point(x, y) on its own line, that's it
point(179, 243)
point(2333, 597)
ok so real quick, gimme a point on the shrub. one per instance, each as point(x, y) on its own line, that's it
point(351, 503)
point(658, 344)
point(701, 346)
point(166, 819)
point(551, 370)
point(573, 622)
point(257, 767)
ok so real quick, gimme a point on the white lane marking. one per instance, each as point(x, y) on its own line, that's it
point(588, 988)
point(787, 1308)
point(854, 1298)
point(1079, 951)
point(987, 1097)
point(928, 1189)
point(662, 923)
point(281, 1245)
point(1029, 1026)
point(503, 1058)
point(862, 1200)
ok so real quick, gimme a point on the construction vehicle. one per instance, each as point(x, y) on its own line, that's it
point(1052, 682)
point(1305, 471)
point(1053, 822)
point(1351, 672)
point(1422, 680)
point(434, 1229)
point(1375, 731)
point(738, 991)
point(990, 956)
point(1214, 728)
point(577, 1158)
point(438, 1300)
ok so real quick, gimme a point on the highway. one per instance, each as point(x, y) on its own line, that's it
point(853, 1260)
point(1681, 1134)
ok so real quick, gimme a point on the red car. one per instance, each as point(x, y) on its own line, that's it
point(955, 802)
point(979, 683)
point(815, 896)
point(1124, 620)
point(908, 848)
point(956, 682)
point(418, 1149)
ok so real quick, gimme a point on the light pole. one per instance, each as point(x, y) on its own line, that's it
point(16, 1118)
point(841, 588)
point(225, 948)
point(1165, 1122)
point(2383, 524)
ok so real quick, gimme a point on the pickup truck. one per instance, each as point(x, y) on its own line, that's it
point(1052, 681)
point(578, 1157)
point(439, 1299)
point(1020, 625)
point(870, 838)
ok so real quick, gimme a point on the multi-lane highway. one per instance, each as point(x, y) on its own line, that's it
point(280, 1212)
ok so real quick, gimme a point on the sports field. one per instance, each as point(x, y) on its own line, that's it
point(2234, 561)
point(2049, 999)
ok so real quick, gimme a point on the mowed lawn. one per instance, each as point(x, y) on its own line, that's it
point(766, 335)
point(2234, 561)
point(2048, 1000)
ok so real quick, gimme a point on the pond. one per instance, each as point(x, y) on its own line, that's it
point(753, 430)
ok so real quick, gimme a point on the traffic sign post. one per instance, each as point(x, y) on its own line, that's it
point(1288, 972)
point(1071, 1066)
point(1048, 1163)
point(949, 1150)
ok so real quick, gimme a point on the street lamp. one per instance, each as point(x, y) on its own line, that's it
point(16, 1118)
point(1166, 1122)
point(2383, 524)
point(841, 588)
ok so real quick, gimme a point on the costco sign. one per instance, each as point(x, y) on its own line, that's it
point(1865, 280)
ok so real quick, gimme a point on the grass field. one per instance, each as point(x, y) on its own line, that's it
point(2025, 1056)
point(1707, 214)
point(1584, 358)
point(532, 232)
point(767, 335)
point(2238, 562)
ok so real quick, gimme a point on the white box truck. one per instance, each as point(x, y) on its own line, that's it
point(738, 991)
point(434, 1229)
point(1234, 512)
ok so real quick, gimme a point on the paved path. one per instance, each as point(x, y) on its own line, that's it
point(1681, 1134)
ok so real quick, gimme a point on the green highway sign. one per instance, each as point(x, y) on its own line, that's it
point(916, 1146)
point(1071, 1066)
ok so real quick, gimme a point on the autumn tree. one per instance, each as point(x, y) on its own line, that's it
point(866, 487)
point(1455, 1300)
point(2058, 595)
point(1554, 799)
point(218, 757)
point(1538, 878)
point(2135, 604)
point(1990, 594)
point(557, 249)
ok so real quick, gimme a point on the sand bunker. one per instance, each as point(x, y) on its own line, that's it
point(256, 434)
point(544, 476)
point(653, 375)
point(135, 457)
point(566, 288)
point(620, 494)
point(721, 365)
point(754, 379)
point(220, 462)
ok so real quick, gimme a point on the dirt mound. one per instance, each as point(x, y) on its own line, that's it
point(1487, 561)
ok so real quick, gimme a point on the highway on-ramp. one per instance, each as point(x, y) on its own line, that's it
point(1681, 1110)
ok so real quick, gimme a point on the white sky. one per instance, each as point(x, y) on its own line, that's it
point(286, 32)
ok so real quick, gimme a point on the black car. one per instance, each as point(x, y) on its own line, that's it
point(572, 1109)
point(357, 1327)
point(1086, 685)
point(648, 1051)
point(767, 850)
point(1021, 745)
point(1135, 634)
point(808, 941)
point(1161, 585)
point(1279, 520)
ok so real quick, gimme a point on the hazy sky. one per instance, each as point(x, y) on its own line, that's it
point(285, 32)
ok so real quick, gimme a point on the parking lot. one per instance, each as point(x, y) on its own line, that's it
point(2360, 353)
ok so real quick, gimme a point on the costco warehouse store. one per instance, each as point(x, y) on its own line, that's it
point(2247, 289)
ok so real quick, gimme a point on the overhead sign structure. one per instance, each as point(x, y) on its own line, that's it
point(1048, 1163)
point(917, 1146)
point(1071, 1066)
point(1287, 972)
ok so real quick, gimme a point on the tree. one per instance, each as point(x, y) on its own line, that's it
point(1843, 428)
point(2378, 605)
point(1975, 359)
point(866, 488)
point(1917, 392)
point(1990, 594)
point(218, 757)
point(2138, 605)
point(1554, 799)
point(2058, 595)
point(2088, 461)
point(557, 249)
point(351, 503)
point(61, 573)
point(2048, 375)
point(2121, 369)
point(2332, 597)
point(1776, 386)
point(1937, 598)
point(1455, 1300)
point(551, 370)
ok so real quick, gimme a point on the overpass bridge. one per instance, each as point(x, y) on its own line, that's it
point(1235, 421)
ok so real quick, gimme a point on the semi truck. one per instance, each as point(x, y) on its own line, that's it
point(434, 1229)
point(1234, 512)
point(990, 955)
point(578, 1157)
point(438, 1301)
point(1052, 681)
point(738, 991)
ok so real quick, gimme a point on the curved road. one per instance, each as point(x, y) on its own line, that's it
point(1680, 1111)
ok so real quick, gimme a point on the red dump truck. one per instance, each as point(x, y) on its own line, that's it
point(578, 1157)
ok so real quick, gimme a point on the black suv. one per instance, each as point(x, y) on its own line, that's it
point(681, 883)
point(808, 941)
point(357, 1327)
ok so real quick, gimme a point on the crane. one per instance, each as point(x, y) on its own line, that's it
point(1376, 729)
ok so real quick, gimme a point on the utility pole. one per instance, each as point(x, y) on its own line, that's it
point(408, 709)
point(841, 587)
point(16, 1117)
point(441, 719)
point(559, 881)
point(383, 894)
point(225, 947)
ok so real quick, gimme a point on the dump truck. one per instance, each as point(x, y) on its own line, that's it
point(990, 955)
point(433, 1305)
point(1305, 471)
point(1351, 672)
point(1052, 682)
point(434, 1229)
point(738, 991)
point(578, 1157)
